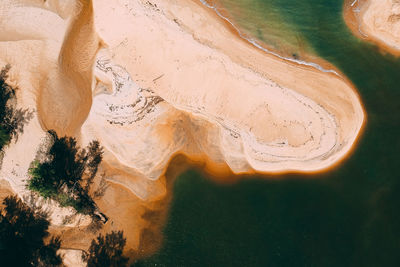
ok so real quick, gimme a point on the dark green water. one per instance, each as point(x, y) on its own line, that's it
point(347, 217)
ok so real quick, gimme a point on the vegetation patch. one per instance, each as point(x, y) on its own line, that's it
point(66, 173)
point(12, 120)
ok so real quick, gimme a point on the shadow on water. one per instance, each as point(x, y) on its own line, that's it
point(347, 217)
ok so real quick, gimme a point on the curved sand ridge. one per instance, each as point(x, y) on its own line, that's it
point(377, 21)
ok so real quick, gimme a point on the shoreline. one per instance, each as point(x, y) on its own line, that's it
point(322, 65)
point(353, 14)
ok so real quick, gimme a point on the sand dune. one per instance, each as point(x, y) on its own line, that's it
point(153, 79)
point(377, 21)
point(70, 85)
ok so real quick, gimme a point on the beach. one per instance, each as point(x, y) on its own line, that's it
point(152, 80)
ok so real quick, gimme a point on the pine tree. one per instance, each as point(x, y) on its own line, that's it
point(106, 251)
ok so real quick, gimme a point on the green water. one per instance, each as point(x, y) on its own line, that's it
point(270, 28)
point(347, 217)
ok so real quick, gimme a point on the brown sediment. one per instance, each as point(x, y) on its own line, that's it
point(353, 17)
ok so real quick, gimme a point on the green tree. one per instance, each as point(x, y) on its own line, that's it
point(67, 173)
point(4, 138)
point(11, 120)
point(107, 251)
point(95, 156)
point(22, 231)
point(6, 93)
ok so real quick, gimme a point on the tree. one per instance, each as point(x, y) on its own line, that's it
point(107, 251)
point(6, 93)
point(22, 231)
point(68, 162)
point(67, 173)
point(95, 156)
point(4, 138)
point(12, 120)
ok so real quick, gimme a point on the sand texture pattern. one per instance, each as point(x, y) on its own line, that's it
point(154, 79)
point(377, 21)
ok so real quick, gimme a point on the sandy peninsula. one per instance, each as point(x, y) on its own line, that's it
point(377, 21)
point(155, 79)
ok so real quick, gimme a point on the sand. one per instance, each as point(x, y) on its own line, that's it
point(377, 21)
point(155, 79)
point(72, 258)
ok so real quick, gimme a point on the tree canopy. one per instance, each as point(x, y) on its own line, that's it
point(67, 173)
point(106, 251)
point(22, 231)
point(12, 120)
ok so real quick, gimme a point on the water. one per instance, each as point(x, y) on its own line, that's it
point(347, 217)
point(270, 28)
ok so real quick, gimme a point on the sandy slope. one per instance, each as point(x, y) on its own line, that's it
point(152, 79)
point(377, 21)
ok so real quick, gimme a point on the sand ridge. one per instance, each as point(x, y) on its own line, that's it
point(154, 79)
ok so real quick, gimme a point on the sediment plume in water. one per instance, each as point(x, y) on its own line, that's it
point(155, 80)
